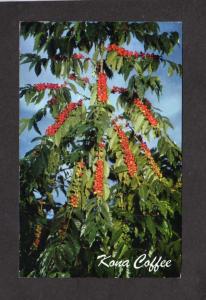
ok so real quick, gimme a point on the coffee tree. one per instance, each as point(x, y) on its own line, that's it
point(123, 199)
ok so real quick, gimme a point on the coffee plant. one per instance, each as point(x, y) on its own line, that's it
point(123, 198)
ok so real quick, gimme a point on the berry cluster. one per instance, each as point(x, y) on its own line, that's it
point(102, 87)
point(117, 89)
point(52, 86)
point(126, 53)
point(101, 145)
point(128, 156)
point(52, 101)
point(80, 166)
point(37, 235)
point(63, 229)
point(85, 80)
point(61, 118)
point(77, 56)
point(72, 76)
point(74, 201)
point(146, 112)
point(152, 163)
point(59, 57)
point(99, 177)
point(74, 198)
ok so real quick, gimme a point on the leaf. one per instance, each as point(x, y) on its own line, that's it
point(170, 71)
point(36, 128)
point(38, 138)
point(106, 192)
point(106, 213)
point(111, 57)
point(123, 251)
point(51, 47)
point(23, 124)
point(95, 55)
point(140, 88)
point(106, 169)
point(113, 140)
point(116, 234)
point(138, 68)
point(151, 226)
point(143, 192)
point(138, 123)
point(38, 68)
point(73, 87)
point(119, 63)
point(121, 169)
point(93, 95)
point(86, 65)
point(57, 138)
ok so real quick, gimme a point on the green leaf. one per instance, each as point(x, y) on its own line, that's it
point(119, 63)
point(106, 169)
point(86, 65)
point(138, 123)
point(138, 68)
point(73, 87)
point(106, 191)
point(111, 57)
point(151, 226)
point(106, 213)
point(170, 71)
point(23, 124)
point(57, 138)
point(116, 234)
point(93, 95)
point(36, 128)
point(38, 68)
point(140, 88)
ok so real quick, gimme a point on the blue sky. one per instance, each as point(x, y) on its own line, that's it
point(170, 102)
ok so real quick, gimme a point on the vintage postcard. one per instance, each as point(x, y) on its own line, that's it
point(100, 149)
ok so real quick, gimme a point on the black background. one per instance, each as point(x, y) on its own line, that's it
point(192, 284)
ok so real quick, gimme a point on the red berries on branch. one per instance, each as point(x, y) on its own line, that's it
point(59, 57)
point(102, 87)
point(85, 80)
point(128, 156)
point(80, 166)
point(77, 56)
point(37, 235)
point(63, 229)
point(52, 101)
point(74, 198)
point(72, 76)
point(99, 173)
point(152, 163)
point(117, 89)
point(101, 145)
point(52, 86)
point(146, 112)
point(61, 118)
point(146, 150)
point(99, 177)
point(74, 201)
point(126, 53)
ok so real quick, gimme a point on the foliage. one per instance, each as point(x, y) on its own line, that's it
point(134, 214)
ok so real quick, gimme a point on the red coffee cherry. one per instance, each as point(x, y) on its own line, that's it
point(102, 87)
point(128, 156)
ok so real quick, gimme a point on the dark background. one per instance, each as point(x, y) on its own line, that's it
point(192, 284)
